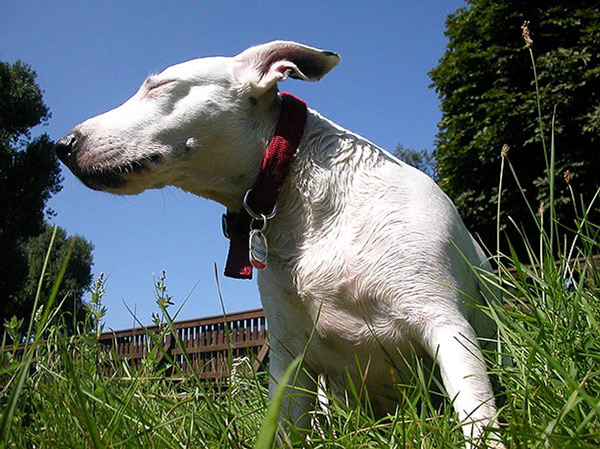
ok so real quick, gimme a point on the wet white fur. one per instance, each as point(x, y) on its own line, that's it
point(364, 249)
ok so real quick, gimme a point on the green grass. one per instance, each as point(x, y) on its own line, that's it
point(57, 397)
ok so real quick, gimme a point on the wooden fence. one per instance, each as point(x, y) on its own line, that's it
point(204, 344)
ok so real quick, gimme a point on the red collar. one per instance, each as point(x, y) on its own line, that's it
point(260, 202)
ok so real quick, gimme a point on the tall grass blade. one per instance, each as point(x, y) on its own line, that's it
point(268, 430)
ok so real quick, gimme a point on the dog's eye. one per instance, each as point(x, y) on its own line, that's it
point(153, 85)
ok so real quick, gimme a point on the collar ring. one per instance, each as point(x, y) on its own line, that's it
point(253, 214)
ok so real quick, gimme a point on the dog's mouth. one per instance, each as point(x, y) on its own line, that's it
point(114, 177)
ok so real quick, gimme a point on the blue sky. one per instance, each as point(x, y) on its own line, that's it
point(91, 56)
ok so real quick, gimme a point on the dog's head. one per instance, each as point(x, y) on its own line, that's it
point(202, 125)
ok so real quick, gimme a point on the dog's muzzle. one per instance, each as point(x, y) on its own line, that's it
point(67, 150)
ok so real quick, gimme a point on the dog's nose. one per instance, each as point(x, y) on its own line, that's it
point(66, 148)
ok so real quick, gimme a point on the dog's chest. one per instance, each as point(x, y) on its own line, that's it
point(348, 334)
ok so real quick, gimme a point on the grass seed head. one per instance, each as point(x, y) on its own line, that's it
point(542, 208)
point(527, 34)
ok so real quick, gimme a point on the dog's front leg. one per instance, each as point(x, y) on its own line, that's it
point(464, 374)
point(300, 396)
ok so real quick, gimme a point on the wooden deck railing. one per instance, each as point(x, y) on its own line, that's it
point(205, 343)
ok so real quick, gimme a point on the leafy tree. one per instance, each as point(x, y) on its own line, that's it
point(487, 91)
point(423, 160)
point(77, 278)
point(29, 176)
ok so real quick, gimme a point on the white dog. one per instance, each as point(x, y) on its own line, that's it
point(361, 250)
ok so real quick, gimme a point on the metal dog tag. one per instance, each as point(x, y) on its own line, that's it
point(259, 250)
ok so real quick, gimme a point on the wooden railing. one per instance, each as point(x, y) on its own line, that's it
point(204, 346)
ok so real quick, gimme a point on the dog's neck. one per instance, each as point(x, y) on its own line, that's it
point(319, 182)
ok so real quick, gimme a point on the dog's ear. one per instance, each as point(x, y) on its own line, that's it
point(265, 65)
